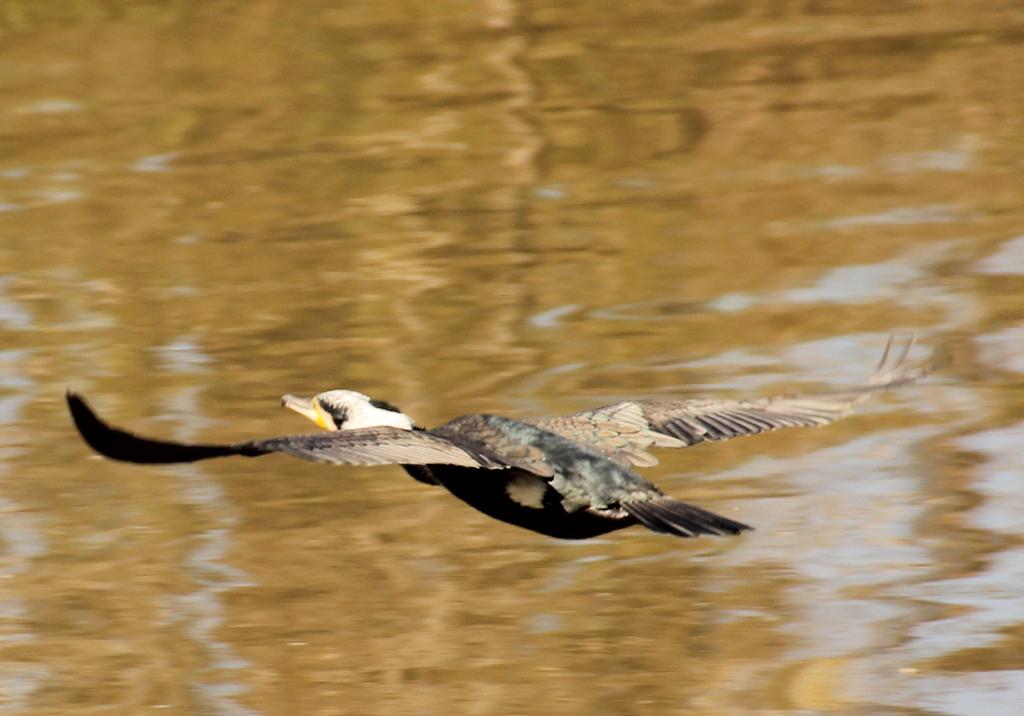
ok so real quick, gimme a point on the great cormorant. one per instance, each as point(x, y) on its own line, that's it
point(567, 476)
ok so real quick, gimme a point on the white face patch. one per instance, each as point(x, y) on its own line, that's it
point(359, 412)
point(527, 491)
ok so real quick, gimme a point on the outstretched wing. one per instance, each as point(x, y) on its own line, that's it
point(364, 446)
point(624, 430)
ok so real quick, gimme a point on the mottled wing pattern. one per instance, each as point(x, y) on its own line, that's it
point(375, 446)
point(694, 421)
point(622, 430)
point(493, 439)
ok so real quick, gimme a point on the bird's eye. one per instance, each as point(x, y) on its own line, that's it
point(338, 413)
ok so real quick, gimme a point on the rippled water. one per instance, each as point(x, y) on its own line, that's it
point(519, 209)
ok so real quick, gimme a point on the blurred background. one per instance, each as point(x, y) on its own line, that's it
point(520, 208)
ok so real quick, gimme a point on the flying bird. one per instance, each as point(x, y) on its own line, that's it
point(568, 476)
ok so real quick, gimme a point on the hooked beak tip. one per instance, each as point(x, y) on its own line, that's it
point(304, 406)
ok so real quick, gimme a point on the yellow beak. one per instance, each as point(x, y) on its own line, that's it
point(309, 408)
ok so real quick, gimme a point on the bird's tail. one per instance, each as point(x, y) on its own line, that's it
point(664, 514)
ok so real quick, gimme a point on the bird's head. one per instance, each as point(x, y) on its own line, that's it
point(347, 410)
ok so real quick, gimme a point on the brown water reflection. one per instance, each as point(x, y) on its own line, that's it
point(522, 209)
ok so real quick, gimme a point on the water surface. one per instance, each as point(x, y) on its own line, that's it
point(521, 209)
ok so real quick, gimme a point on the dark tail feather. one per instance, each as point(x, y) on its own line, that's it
point(670, 516)
point(121, 445)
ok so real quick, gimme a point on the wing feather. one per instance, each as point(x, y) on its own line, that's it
point(376, 446)
point(623, 430)
point(493, 438)
point(364, 446)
